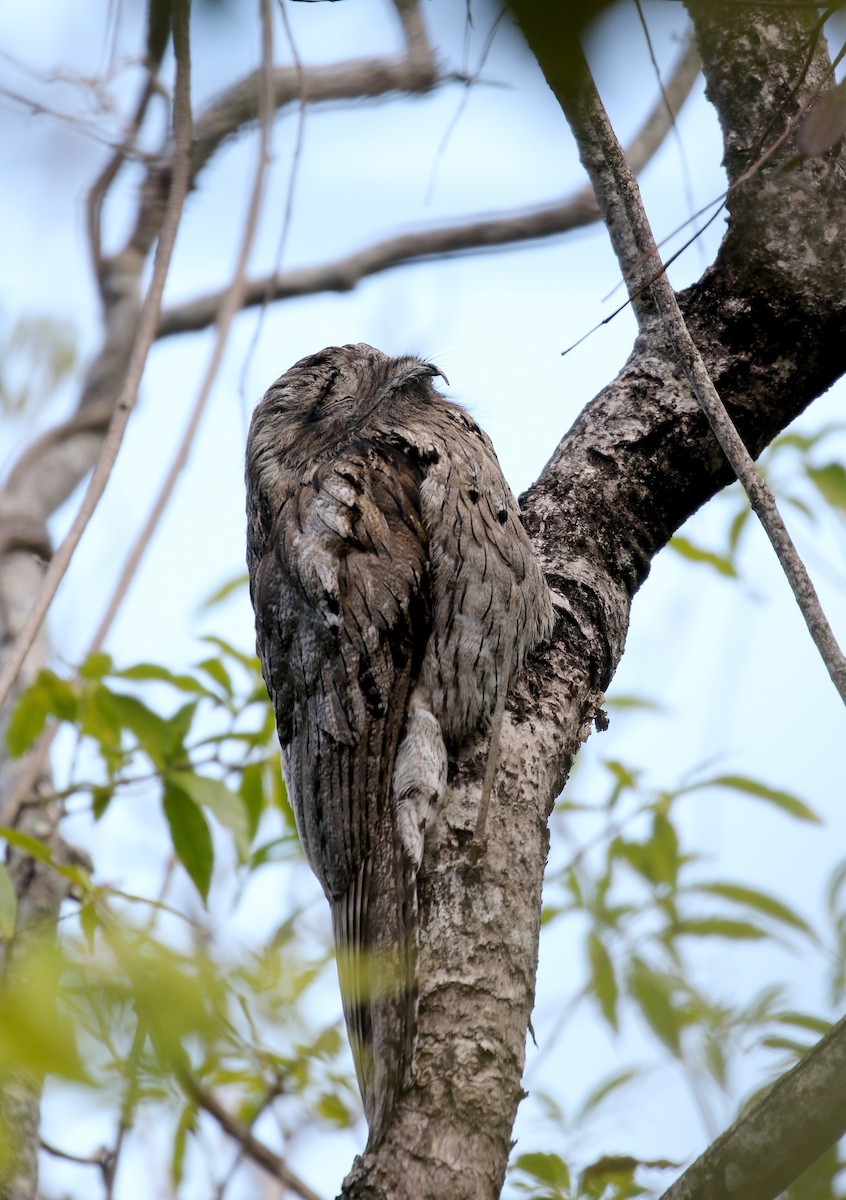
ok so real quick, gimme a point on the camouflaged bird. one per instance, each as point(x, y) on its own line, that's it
point(391, 577)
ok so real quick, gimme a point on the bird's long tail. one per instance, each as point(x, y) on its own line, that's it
point(375, 927)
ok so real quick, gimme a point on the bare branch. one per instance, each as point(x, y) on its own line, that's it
point(365, 78)
point(143, 341)
point(486, 233)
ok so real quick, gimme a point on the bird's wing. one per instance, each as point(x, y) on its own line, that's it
point(340, 584)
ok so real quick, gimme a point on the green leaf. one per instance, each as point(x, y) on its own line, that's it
point(604, 1089)
point(546, 1168)
point(721, 564)
point(101, 798)
point(148, 728)
point(47, 696)
point(220, 800)
point(638, 702)
point(737, 527)
point(185, 1125)
point(190, 835)
point(830, 482)
point(96, 666)
point(664, 849)
point(719, 927)
point(761, 901)
point(8, 905)
point(215, 670)
point(805, 1021)
point(252, 795)
point(331, 1107)
point(246, 660)
point(225, 590)
point(603, 981)
point(150, 672)
point(654, 995)
point(786, 801)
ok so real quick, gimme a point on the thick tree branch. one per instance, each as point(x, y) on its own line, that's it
point(780, 1135)
point(631, 234)
point(769, 321)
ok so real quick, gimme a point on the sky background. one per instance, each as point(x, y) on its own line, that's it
point(729, 661)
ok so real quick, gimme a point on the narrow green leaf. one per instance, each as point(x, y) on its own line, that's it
point(252, 796)
point(101, 798)
point(786, 801)
point(28, 844)
point(737, 526)
point(664, 849)
point(191, 837)
point(216, 671)
point(805, 1021)
point(331, 1107)
point(752, 898)
point(603, 980)
point(654, 995)
point(8, 905)
point(603, 1090)
point(225, 590)
point(246, 660)
point(633, 702)
point(686, 548)
point(152, 672)
point(720, 927)
point(184, 1126)
point(148, 728)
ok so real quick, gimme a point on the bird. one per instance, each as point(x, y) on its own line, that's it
point(396, 596)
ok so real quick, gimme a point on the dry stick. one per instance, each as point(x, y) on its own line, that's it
point(230, 305)
point(619, 196)
point(147, 326)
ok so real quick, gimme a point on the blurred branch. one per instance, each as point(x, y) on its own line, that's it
point(252, 1147)
point(779, 1135)
point(487, 233)
point(146, 332)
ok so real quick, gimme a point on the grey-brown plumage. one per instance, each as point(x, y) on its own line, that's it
point(389, 571)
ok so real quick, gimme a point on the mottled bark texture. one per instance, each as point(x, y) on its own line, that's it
point(768, 318)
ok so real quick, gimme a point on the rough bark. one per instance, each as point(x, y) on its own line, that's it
point(768, 319)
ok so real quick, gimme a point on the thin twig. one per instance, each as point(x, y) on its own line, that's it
point(252, 1147)
point(231, 303)
point(631, 235)
point(147, 325)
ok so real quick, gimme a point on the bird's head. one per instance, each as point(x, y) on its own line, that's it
point(330, 397)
